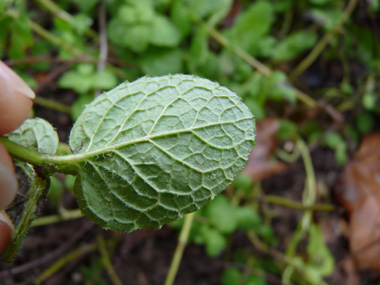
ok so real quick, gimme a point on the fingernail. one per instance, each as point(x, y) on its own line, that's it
point(7, 230)
point(7, 220)
point(8, 186)
point(9, 78)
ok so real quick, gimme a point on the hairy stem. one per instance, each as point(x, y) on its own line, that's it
point(66, 164)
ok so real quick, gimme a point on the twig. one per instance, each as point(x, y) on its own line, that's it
point(320, 46)
point(182, 241)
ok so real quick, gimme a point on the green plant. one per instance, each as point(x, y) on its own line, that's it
point(144, 153)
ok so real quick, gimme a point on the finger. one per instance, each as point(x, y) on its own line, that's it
point(15, 99)
point(6, 230)
point(8, 181)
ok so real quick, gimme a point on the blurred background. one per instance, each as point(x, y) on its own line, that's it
point(305, 210)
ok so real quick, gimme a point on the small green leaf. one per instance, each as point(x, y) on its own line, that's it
point(79, 104)
point(104, 80)
point(222, 215)
point(162, 62)
point(157, 148)
point(321, 259)
point(231, 276)
point(215, 242)
point(36, 134)
point(293, 45)
point(251, 25)
point(164, 33)
point(247, 218)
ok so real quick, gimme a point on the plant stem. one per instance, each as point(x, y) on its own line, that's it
point(66, 164)
point(67, 215)
point(106, 261)
point(321, 45)
point(182, 241)
point(297, 206)
point(263, 69)
point(37, 192)
point(53, 105)
point(64, 260)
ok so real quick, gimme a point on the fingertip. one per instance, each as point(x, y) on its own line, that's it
point(7, 230)
point(8, 181)
point(15, 99)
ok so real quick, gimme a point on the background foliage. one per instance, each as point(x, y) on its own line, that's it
point(308, 70)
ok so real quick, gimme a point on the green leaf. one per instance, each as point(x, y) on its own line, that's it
point(321, 259)
point(80, 83)
point(79, 104)
point(136, 36)
point(164, 33)
point(36, 134)
point(181, 17)
point(162, 62)
point(222, 215)
point(199, 46)
point(247, 218)
point(231, 276)
point(104, 80)
point(252, 25)
point(215, 242)
point(293, 45)
point(157, 148)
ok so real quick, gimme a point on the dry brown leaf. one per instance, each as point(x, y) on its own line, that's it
point(359, 192)
point(260, 165)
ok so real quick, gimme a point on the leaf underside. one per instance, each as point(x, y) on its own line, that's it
point(157, 148)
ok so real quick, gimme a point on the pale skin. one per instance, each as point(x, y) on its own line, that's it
point(15, 105)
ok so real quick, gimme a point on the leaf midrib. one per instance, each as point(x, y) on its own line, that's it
point(81, 157)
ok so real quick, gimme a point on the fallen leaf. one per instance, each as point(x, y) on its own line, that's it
point(260, 165)
point(359, 194)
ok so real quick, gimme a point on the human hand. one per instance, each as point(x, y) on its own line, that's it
point(15, 105)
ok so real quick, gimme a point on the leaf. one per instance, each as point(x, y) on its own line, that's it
point(157, 148)
point(321, 260)
point(359, 193)
point(162, 62)
point(222, 215)
point(293, 45)
point(252, 25)
point(104, 80)
point(164, 33)
point(80, 83)
point(36, 134)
